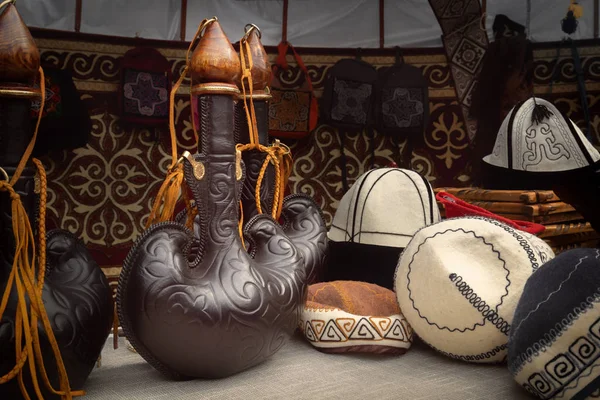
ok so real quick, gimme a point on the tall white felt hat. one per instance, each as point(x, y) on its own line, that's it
point(374, 221)
point(554, 344)
point(536, 137)
point(385, 207)
point(458, 283)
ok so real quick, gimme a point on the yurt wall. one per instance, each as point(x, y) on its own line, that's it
point(103, 192)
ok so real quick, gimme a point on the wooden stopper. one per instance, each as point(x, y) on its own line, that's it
point(261, 68)
point(19, 55)
point(214, 60)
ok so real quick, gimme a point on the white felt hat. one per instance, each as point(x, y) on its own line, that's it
point(385, 207)
point(458, 283)
point(536, 137)
point(554, 344)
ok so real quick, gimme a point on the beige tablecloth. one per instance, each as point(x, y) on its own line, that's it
point(298, 371)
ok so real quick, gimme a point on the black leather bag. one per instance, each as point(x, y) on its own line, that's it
point(347, 102)
point(401, 104)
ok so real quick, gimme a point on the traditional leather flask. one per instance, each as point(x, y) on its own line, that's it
point(268, 165)
point(195, 303)
point(57, 309)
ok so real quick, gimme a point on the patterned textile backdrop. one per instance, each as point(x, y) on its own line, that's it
point(103, 192)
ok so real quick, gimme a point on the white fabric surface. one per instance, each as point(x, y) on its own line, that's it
point(234, 15)
point(149, 19)
point(334, 23)
point(298, 371)
point(56, 14)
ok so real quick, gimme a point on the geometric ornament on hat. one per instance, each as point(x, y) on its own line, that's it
point(554, 346)
point(374, 221)
point(458, 283)
point(354, 317)
point(536, 137)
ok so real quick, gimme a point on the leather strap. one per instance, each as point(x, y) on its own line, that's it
point(281, 62)
point(282, 50)
point(343, 161)
point(582, 91)
point(580, 82)
point(371, 136)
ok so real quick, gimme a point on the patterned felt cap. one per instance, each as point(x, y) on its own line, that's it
point(346, 316)
point(536, 137)
point(554, 343)
point(458, 283)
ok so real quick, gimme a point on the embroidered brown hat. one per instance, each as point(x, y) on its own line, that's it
point(359, 317)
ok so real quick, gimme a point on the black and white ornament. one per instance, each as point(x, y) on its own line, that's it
point(554, 343)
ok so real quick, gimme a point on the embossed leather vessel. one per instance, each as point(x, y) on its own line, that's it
point(76, 294)
point(301, 217)
point(198, 304)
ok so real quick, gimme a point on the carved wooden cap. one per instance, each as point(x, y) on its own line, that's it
point(19, 55)
point(261, 68)
point(214, 60)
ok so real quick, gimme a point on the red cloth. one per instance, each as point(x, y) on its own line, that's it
point(456, 207)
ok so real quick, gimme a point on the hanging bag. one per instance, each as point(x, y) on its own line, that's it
point(347, 102)
point(401, 104)
point(293, 113)
point(66, 123)
point(144, 88)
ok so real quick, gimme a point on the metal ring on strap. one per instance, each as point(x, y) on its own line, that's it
point(4, 174)
point(249, 28)
point(7, 2)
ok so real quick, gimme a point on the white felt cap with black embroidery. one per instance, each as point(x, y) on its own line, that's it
point(554, 343)
point(536, 137)
point(385, 207)
point(458, 283)
point(374, 221)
